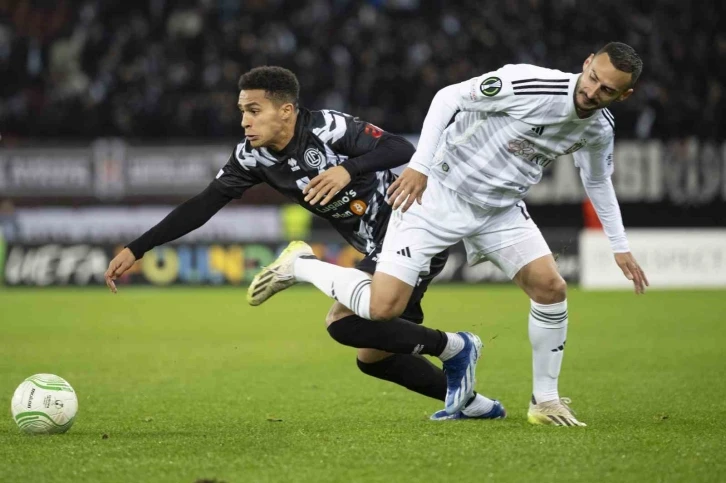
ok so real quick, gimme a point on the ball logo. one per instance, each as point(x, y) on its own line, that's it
point(491, 86)
point(313, 158)
point(358, 207)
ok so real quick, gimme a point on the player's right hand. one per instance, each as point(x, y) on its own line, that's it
point(121, 262)
point(408, 187)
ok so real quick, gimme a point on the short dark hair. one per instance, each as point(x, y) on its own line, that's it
point(624, 58)
point(279, 84)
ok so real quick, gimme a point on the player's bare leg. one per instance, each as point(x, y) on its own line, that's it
point(548, 334)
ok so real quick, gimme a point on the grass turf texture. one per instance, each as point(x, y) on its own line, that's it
point(193, 383)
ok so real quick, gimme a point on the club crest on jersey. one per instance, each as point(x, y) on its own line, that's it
point(577, 146)
point(491, 86)
point(313, 158)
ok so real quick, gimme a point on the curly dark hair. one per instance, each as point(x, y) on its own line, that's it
point(280, 84)
point(624, 58)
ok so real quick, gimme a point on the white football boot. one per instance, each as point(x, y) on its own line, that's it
point(279, 275)
point(553, 413)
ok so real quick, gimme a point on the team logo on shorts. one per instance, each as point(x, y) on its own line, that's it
point(445, 167)
point(358, 207)
point(491, 86)
point(313, 158)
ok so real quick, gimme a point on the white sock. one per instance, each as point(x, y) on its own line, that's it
point(348, 286)
point(480, 405)
point(453, 346)
point(547, 334)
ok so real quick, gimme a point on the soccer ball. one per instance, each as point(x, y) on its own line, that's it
point(44, 404)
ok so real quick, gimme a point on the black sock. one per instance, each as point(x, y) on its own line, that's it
point(397, 335)
point(410, 371)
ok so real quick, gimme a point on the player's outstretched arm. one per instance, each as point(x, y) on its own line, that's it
point(186, 217)
point(596, 168)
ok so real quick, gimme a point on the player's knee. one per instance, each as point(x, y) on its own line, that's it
point(368, 357)
point(337, 312)
point(551, 290)
point(376, 363)
point(387, 307)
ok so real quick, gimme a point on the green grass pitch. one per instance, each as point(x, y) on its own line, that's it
point(193, 383)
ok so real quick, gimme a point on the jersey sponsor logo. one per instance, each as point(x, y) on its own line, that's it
point(520, 148)
point(313, 158)
point(345, 214)
point(293, 164)
point(491, 86)
point(541, 160)
point(577, 146)
point(347, 198)
point(525, 149)
point(358, 207)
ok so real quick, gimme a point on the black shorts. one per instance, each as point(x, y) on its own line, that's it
point(413, 312)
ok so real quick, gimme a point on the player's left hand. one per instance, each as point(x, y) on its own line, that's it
point(632, 271)
point(326, 185)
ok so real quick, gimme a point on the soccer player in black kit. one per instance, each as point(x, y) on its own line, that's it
point(337, 167)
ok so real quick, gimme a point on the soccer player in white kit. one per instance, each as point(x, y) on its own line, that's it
point(469, 178)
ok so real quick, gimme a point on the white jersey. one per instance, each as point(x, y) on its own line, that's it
point(512, 123)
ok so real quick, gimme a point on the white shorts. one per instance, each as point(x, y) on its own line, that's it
point(505, 236)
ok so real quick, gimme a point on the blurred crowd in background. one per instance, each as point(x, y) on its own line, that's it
point(169, 69)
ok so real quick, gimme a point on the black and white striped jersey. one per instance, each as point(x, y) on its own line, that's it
point(512, 123)
point(323, 139)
